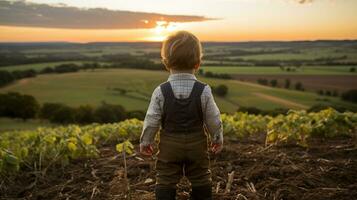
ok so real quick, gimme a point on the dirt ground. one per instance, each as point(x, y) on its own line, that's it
point(325, 170)
point(314, 83)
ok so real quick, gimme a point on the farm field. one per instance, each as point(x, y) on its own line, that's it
point(314, 53)
point(18, 124)
point(313, 78)
point(315, 161)
point(93, 50)
point(37, 66)
point(93, 87)
point(311, 54)
point(271, 70)
point(313, 83)
point(288, 172)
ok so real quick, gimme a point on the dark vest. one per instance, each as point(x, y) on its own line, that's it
point(182, 115)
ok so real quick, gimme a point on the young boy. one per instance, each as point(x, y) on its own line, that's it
point(184, 108)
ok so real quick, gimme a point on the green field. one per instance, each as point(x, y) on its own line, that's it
point(93, 87)
point(280, 56)
point(18, 124)
point(269, 70)
point(37, 66)
point(304, 55)
point(93, 51)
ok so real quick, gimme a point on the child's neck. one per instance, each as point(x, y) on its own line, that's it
point(190, 71)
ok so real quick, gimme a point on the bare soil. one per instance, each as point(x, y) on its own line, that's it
point(325, 170)
point(314, 83)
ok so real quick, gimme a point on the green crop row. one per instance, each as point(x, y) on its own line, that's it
point(37, 150)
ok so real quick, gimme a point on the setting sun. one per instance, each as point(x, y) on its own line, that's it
point(161, 30)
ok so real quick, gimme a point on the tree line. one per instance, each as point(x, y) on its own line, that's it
point(16, 105)
point(214, 75)
point(18, 58)
point(287, 84)
point(7, 77)
point(288, 64)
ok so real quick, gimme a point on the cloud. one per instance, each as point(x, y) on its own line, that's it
point(304, 1)
point(22, 13)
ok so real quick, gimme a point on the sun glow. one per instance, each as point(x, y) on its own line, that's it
point(162, 29)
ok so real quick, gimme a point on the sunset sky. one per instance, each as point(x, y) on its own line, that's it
point(210, 20)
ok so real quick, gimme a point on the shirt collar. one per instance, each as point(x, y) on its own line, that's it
point(182, 76)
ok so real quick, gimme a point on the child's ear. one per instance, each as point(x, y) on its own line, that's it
point(197, 66)
point(164, 61)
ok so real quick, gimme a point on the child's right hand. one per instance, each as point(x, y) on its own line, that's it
point(216, 148)
point(146, 150)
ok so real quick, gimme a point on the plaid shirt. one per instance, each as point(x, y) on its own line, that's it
point(182, 84)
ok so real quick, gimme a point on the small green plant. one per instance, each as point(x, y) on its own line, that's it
point(125, 148)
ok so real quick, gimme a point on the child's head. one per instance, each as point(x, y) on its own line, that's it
point(181, 51)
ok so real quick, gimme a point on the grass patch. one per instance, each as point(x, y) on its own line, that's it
point(309, 70)
point(93, 87)
point(19, 124)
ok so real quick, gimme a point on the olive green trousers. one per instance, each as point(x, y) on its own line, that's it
point(183, 155)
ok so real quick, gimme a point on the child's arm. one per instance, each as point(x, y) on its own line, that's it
point(152, 122)
point(212, 120)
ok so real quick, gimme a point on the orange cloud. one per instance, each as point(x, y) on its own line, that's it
point(304, 1)
point(25, 14)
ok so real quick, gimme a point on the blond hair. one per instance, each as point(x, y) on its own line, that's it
point(181, 51)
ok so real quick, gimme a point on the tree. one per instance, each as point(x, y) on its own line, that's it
point(352, 69)
point(84, 114)
point(19, 74)
point(6, 78)
point(262, 81)
point(47, 70)
point(220, 90)
point(273, 82)
point(48, 110)
point(64, 115)
point(29, 107)
point(320, 92)
point(16, 105)
point(335, 93)
point(136, 114)
point(58, 113)
point(287, 83)
point(108, 113)
point(66, 68)
point(298, 86)
point(350, 95)
point(209, 74)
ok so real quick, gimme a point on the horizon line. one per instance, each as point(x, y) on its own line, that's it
point(205, 41)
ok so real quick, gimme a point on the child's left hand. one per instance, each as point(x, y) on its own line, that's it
point(146, 150)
